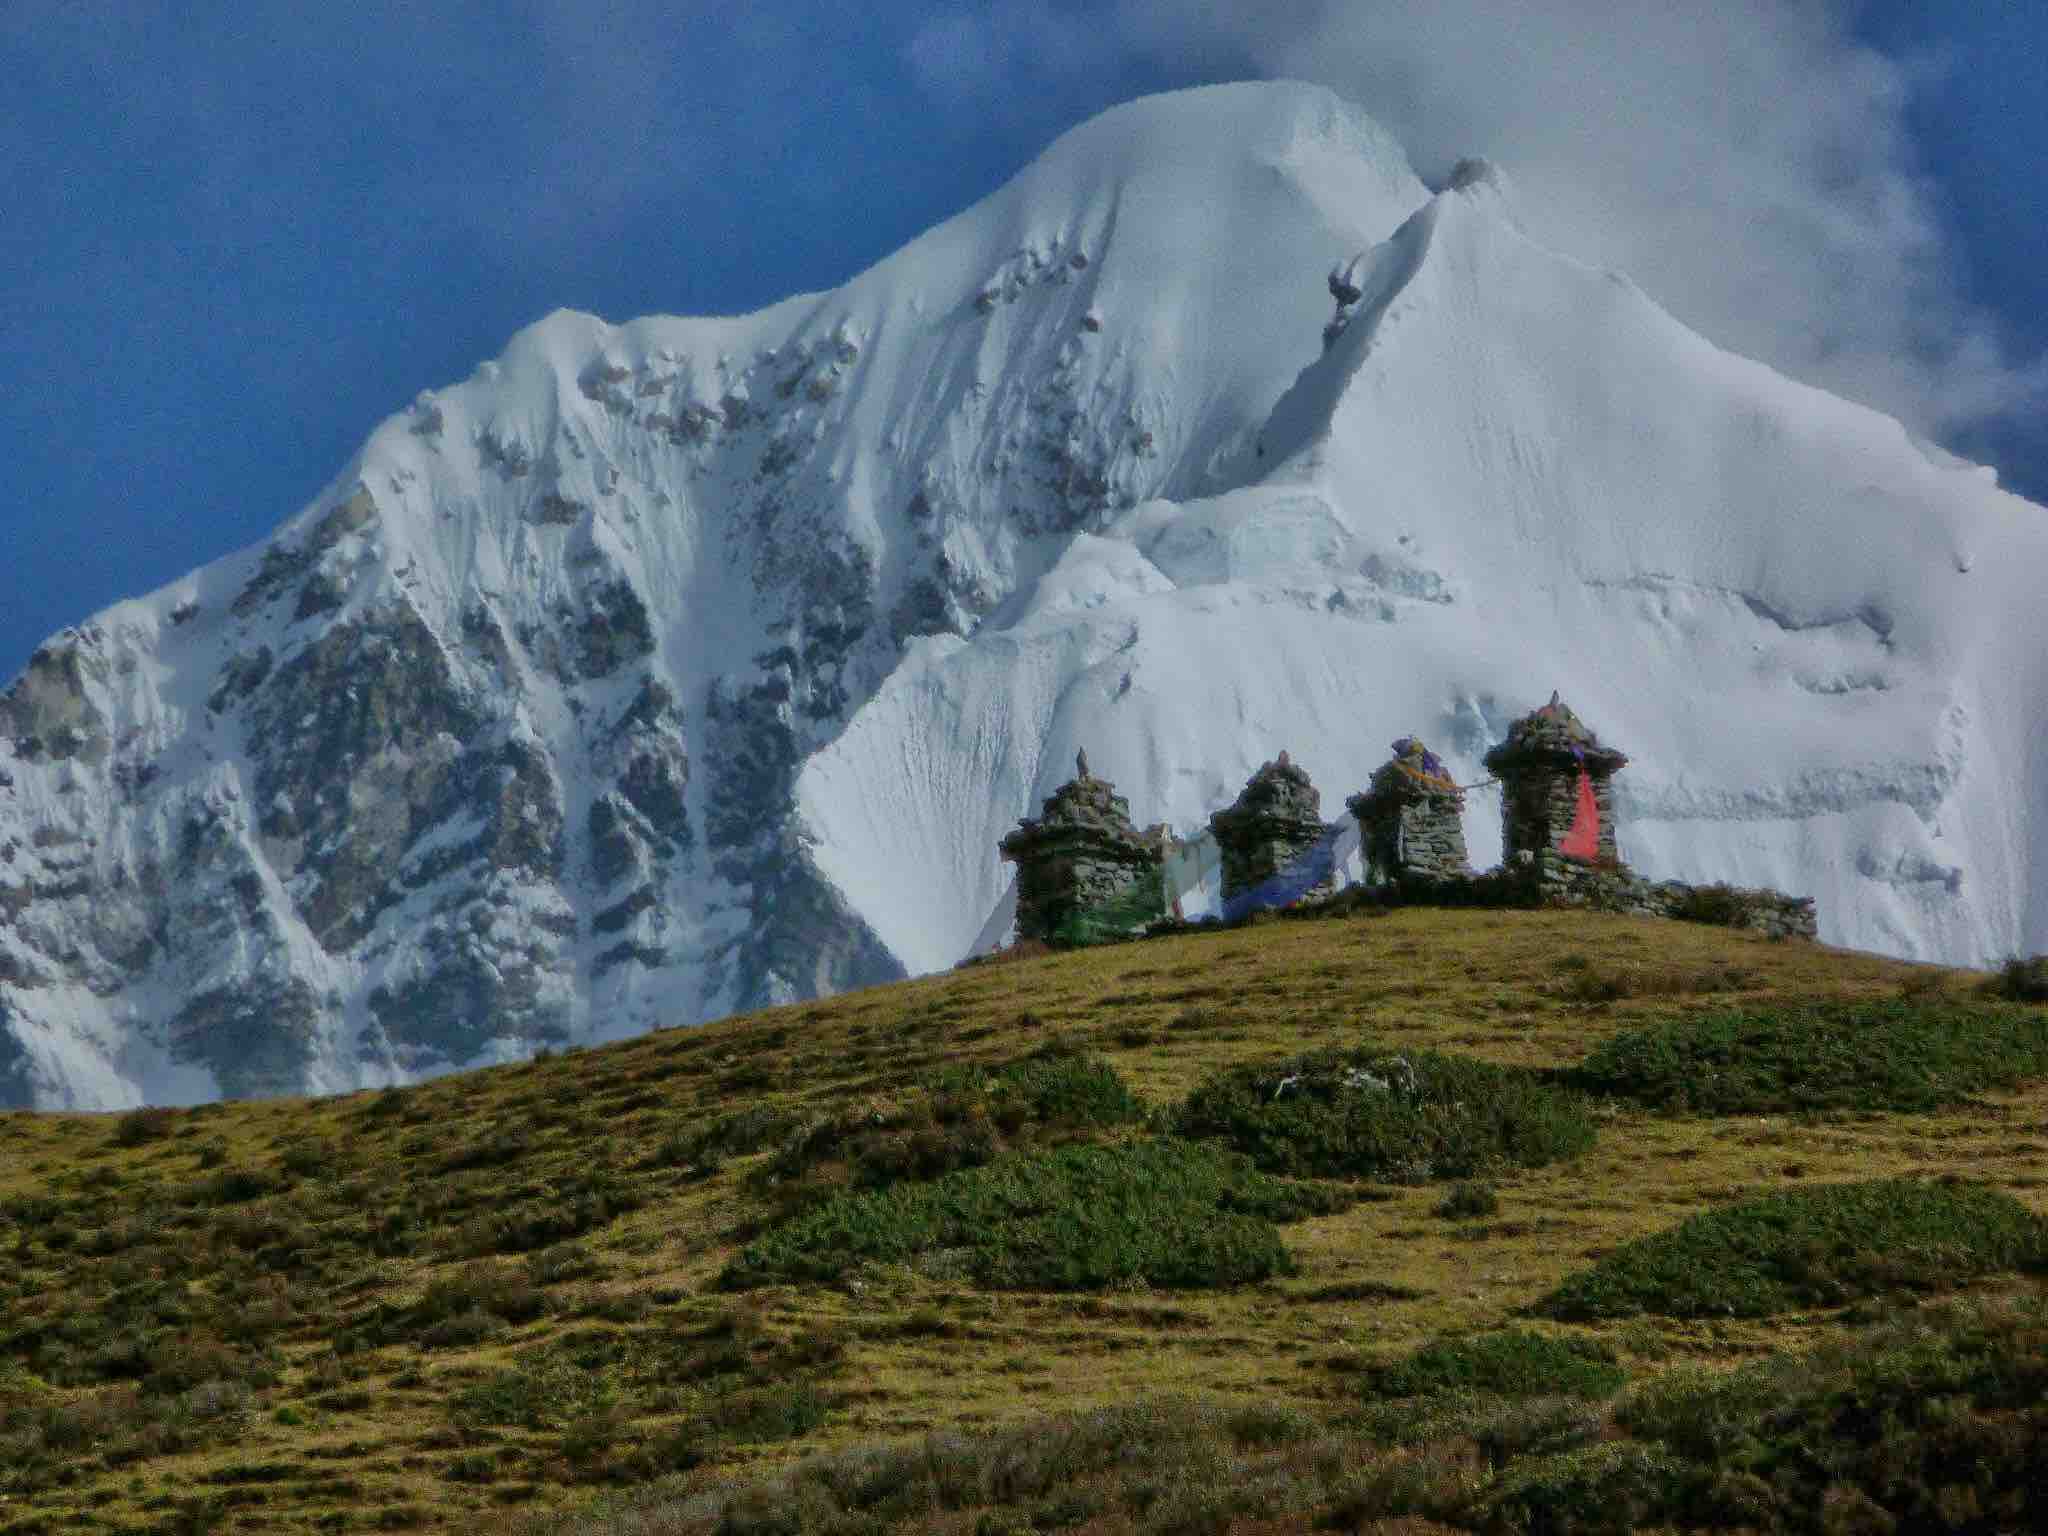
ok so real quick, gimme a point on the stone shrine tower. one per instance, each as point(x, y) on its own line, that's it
point(1082, 858)
point(1277, 819)
point(1411, 818)
point(1556, 794)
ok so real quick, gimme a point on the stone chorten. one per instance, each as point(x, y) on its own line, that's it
point(1556, 794)
point(1277, 819)
point(1411, 817)
point(1081, 856)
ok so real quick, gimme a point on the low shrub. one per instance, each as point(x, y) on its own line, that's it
point(959, 1117)
point(1373, 1114)
point(780, 1412)
point(564, 1261)
point(1512, 1363)
point(1467, 1198)
point(498, 1148)
point(547, 1390)
point(1810, 1247)
point(1171, 1213)
point(2022, 980)
point(457, 1309)
point(1897, 1055)
point(1933, 1419)
point(1608, 1486)
point(139, 1127)
point(578, 1206)
point(738, 1134)
point(1937, 1417)
point(232, 1186)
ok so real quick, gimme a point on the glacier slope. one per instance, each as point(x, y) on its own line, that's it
point(1511, 473)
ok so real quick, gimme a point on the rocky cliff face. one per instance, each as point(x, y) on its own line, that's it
point(666, 669)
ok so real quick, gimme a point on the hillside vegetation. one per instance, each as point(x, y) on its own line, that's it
point(1520, 1222)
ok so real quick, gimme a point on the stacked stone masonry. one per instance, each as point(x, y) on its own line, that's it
point(1276, 819)
point(1539, 767)
point(1552, 880)
point(1411, 819)
point(1083, 855)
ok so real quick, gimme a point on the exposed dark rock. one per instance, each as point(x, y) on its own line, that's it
point(603, 381)
point(354, 741)
point(922, 610)
point(653, 769)
point(486, 636)
point(753, 750)
point(18, 972)
point(778, 458)
point(255, 1036)
point(282, 565)
point(351, 516)
point(619, 915)
point(509, 458)
point(322, 593)
point(805, 941)
point(523, 813)
point(17, 1067)
point(48, 712)
point(614, 630)
point(471, 995)
point(628, 952)
point(556, 511)
point(615, 843)
point(242, 676)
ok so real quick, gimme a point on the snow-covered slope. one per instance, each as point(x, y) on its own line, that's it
point(664, 669)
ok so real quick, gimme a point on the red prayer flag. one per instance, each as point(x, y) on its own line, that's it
point(1583, 841)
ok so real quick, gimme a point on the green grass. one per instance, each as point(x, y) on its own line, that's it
point(1401, 1117)
point(1901, 1055)
point(496, 1294)
point(1810, 1248)
point(1167, 1212)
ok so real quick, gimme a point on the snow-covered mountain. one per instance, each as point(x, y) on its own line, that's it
point(665, 669)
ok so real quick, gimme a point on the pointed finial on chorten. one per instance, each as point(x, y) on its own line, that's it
point(1284, 763)
point(1554, 700)
point(1081, 763)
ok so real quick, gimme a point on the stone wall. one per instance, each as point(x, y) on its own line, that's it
point(1551, 880)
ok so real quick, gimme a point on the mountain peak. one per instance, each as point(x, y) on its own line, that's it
point(676, 666)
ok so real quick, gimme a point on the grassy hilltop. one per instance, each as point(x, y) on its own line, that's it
point(1425, 1221)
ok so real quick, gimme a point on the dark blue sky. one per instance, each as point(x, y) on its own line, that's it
point(238, 235)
